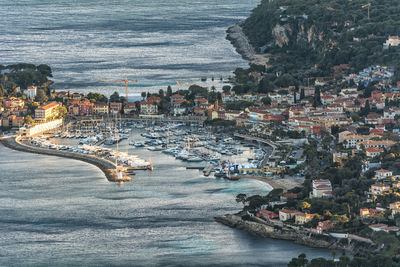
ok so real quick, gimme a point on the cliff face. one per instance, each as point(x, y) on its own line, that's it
point(303, 34)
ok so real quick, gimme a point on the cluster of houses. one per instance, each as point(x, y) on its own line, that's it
point(295, 216)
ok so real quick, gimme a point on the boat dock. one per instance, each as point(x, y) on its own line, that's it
point(207, 170)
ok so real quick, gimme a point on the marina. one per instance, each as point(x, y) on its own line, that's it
point(197, 147)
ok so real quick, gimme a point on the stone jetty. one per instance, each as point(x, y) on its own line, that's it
point(108, 167)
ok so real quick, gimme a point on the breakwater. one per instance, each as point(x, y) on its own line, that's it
point(108, 168)
point(299, 236)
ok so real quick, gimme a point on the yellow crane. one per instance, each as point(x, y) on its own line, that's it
point(122, 80)
point(182, 83)
point(367, 5)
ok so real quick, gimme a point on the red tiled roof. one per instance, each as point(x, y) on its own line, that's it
point(289, 211)
point(383, 171)
point(146, 103)
point(180, 101)
point(48, 106)
point(177, 96)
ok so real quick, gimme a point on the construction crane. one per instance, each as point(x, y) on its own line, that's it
point(367, 5)
point(182, 83)
point(122, 80)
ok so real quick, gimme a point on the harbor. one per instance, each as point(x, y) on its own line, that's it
point(121, 148)
point(128, 146)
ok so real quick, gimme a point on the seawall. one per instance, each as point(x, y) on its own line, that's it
point(106, 166)
point(299, 237)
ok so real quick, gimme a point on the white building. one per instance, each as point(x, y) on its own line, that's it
point(148, 108)
point(321, 188)
point(391, 41)
point(31, 92)
point(382, 174)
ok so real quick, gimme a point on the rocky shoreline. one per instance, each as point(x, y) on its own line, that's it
point(242, 45)
point(276, 232)
point(106, 166)
point(239, 40)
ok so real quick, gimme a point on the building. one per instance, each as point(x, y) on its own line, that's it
point(386, 144)
point(12, 121)
point(394, 205)
point(176, 97)
point(351, 140)
point(285, 214)
point(100, 108)
point(130, 108)
point(266, 214)
point(148, 108)
point(115, 107)
point(200, 101)
point(391, 41)
point(179, 107)
point(381, 174)
point(379, 188)
point(46, 112)
point(373, 151)
point(286, 196)
point(369, 212)
point(323, 226)
point(31, 92)
point(13, 103)
point(339, 157)
point(76, 96)
point(302, 218)
point(81, 108)
point(154, 99)
point(321, 188)
point(384, 227)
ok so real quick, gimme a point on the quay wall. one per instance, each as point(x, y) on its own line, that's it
point(351, 246)
point(106, 166)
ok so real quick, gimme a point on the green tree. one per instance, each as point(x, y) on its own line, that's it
point(302, 94)
point(41, 96)
point(45, 70)
point(61, 111)
point(161, 93)
point(266, 100)
point(169, 91)
point(300, 261)
point(241, 198)
point(28, 119)
point(115, 97)
point(226, 89)
point(317, 97)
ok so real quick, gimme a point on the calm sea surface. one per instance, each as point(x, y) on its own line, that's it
point(56, 211)
point(155, 41)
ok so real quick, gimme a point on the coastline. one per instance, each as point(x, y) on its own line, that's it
point(243, 47)
point(285, 184)
point(107, 167)
point(298, 236)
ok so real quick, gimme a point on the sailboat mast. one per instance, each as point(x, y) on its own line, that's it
point(116, 155)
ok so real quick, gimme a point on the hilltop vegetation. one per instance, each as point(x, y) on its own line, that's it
point(23, 75)
point(309, 37)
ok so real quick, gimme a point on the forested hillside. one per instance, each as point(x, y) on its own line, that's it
point(314, 35)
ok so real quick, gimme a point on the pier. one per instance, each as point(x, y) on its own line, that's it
point(108, 167)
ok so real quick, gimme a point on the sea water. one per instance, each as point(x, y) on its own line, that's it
point(157, 42)
point(57, 211)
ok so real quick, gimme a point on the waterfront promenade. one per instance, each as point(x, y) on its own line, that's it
point(108, 167)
